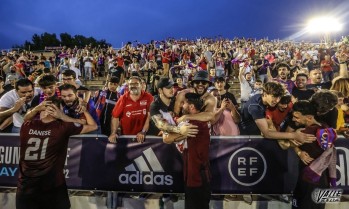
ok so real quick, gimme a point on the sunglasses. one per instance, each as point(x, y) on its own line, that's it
point(202, 82)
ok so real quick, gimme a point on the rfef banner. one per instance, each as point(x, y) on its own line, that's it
point(238, 165)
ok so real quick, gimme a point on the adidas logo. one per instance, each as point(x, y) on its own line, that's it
point(146, 169)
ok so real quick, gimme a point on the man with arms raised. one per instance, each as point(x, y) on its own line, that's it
point(44, 142)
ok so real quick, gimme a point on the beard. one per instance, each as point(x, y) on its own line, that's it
point(202, 93)
point(135, 91)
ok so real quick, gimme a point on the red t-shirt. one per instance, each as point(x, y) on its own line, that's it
point(277, 116)
point(120, 61)
point(132, 114)
point(166, 57)
point(327, 66)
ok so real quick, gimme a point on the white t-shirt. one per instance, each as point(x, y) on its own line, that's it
point(9, 99)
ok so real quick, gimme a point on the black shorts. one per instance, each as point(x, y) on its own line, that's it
point(197, 197)
point(55, 199)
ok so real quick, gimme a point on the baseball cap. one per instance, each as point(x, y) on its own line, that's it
point(165, 83)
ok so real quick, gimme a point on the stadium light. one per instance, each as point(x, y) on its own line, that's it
point(324, 25)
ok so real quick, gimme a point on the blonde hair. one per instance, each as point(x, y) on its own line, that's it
point(341, 85)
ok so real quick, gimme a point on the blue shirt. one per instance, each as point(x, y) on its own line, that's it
point(253, 109)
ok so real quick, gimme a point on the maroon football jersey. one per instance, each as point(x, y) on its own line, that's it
point(43, 154)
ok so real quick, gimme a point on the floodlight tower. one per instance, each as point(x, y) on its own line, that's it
point(324, 26)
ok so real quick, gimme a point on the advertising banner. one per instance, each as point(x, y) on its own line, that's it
point(238, 164)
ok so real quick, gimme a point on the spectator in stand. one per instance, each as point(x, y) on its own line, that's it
point(161, 110)
point(253, 115)
point(343, 109)
point(227, 117)
point(280, 114)
point(88, 64)
point(300, 91)
point(262, 65)
point(131, 112)
point(308, 62)
point(178, 85)
point(326, 68)
point(64, 65)
point(17, 102)
point(283, 71)
point(325, 103)
point(105, 102)
point(10, 82)
point(166, 59)
point(316, 82)
point(246, 85)
point(69, 77)
point(2, 90)
point(48, 85)
point(200, 84)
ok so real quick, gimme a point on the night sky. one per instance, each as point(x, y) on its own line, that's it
point(119, 21)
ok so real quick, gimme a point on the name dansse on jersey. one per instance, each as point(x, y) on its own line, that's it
point(39, 133)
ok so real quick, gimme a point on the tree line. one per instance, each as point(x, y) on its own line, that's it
point(39, 42)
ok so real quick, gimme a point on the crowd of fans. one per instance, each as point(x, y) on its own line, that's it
point(146, 87)
point(303, 68)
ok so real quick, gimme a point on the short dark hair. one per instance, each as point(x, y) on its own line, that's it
point(324, 101)
point(274, 88)
point(68, 86)
point(304, 107)
point(23, 82)
point(55, 100)
point(135, 77)
point(282, 64)
point(114, 79)
point(69, 73)
point(302, 74)
point(195, 99)
point(285, 99)
point(47, 80)
point(47, 70)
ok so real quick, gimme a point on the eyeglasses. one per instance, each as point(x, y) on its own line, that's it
point(202, 82)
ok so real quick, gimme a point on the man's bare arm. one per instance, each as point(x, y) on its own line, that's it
point(163, 125)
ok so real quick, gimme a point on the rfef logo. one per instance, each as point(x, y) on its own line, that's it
point(247, 166)
point(146, 169)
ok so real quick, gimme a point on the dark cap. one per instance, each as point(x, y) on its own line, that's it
point(165, 83)
point(216, 79)
point(201, 75)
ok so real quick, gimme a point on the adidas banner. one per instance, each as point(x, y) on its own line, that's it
point(238, 165)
